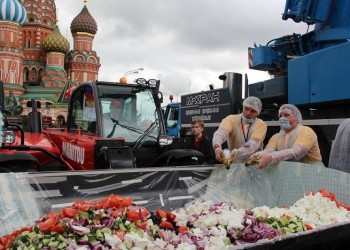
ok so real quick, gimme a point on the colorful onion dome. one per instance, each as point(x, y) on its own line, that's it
point(84, 22)
point(13, 11)
point(56, 42)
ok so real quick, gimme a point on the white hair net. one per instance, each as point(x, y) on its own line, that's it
point(293, 109)
point(253, 102)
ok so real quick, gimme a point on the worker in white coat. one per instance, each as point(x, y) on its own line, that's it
point(294, 142)
point(244, 133)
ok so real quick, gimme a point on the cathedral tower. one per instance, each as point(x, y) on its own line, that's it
point(12, 17)
point(83, 62)
point(41, 20)
point(55, 47)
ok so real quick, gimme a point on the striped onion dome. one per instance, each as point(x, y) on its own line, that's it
point(12, 10)
point(56, 42)
point(84, 22)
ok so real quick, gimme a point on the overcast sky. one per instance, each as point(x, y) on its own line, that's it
point(186, 44)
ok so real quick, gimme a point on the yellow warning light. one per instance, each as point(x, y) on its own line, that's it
point(123, 80)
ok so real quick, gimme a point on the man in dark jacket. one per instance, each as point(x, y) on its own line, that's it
point(200, 142)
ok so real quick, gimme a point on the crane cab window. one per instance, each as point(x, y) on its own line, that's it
point(172, 117)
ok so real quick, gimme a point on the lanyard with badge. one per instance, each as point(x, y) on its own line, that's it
point(245, 136)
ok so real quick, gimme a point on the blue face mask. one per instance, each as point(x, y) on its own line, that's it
point(284, 123)
point(247, 120)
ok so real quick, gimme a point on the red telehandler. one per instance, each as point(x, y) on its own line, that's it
point(92, 139)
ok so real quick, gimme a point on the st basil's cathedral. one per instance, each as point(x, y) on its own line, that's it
point(36, 61)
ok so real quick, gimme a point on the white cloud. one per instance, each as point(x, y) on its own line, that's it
point(186, 44)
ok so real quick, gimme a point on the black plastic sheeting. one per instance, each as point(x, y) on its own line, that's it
point(24, 197)
point(169, 188)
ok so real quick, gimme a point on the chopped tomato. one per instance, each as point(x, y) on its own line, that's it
point(117, 212)
point(3, 241)
point(6, 241)
point(77, 204)
point(58, 228)
point(69, 212)
point(117, 201)
point(104, 203)
point(323, 192)
point(163, 214)
point(51, 214)
point(183, 229)
point(170, 216)
point(49, 223)
point(85, 205)
point(141, 224)
point(347, 207)
point(127, 201)
point(160, 213)
point(98, 205)
point(308, 227)
point(19, 231)
point(28, 228)
point(46, 225)
point(143, 212)
point(331, 196)
point(114, 200)
point(166, 224)
point(133, 215)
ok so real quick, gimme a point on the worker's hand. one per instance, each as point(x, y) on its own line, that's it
point(264, 159)
point(234, 154)
point(256, 155)
point(219, 154)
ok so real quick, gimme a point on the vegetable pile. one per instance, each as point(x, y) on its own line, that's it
point(116, 223)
